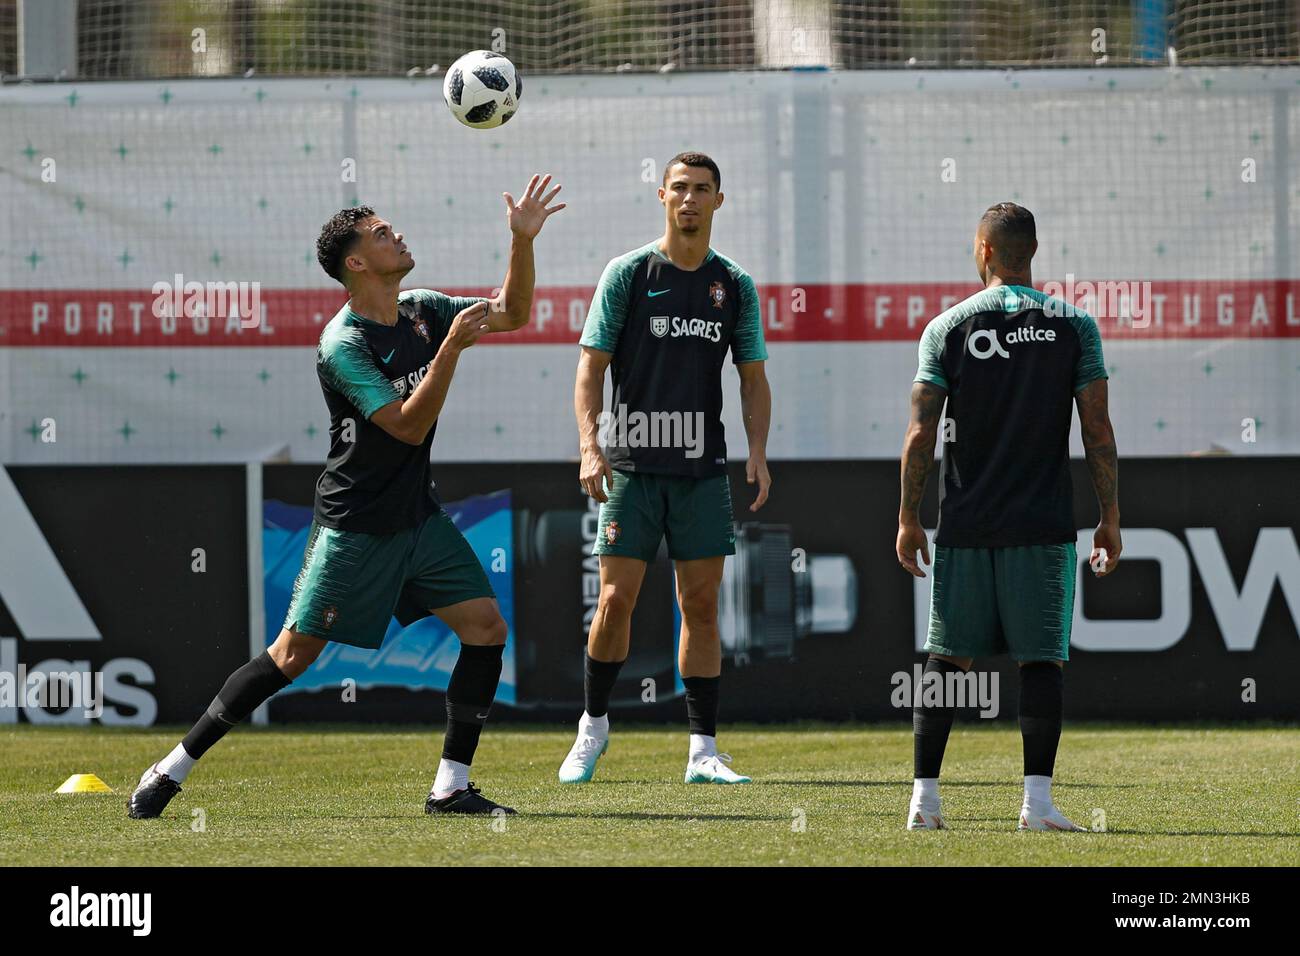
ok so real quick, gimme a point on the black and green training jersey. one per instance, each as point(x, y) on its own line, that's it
point(1011, 359)
point(668, 331)
point(373, 482)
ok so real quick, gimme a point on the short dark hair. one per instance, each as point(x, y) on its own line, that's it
point(337, 237)
point(698, 160)
point(1012, 231)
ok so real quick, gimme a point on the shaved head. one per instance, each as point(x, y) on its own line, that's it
point(1004, 243)
point(1010, 230)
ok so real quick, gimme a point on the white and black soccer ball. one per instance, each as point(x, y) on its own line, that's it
point(482, 89)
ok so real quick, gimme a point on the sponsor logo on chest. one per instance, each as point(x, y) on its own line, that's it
point(674, 326)
point(406, 384)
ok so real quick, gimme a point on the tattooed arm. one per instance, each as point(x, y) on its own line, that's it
point(918, 459)
point(1103, 464)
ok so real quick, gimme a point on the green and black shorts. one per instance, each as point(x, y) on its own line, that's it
point(351, 584)
point(1014, 600)
point(693, 513)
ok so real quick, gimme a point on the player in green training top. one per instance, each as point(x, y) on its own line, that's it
point(663, 319)
point(1010, 362)
point(380, 544)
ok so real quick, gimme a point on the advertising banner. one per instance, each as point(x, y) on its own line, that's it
point(125, 598)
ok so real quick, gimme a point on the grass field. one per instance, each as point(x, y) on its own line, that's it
point(354, 796)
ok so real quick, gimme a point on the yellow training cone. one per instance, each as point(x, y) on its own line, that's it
point(84, 783)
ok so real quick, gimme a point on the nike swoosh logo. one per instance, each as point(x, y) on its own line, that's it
point(482, 716)
point(660, 292)
point(389, 356)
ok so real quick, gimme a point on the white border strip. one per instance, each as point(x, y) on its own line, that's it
point(1103, 81)
point(256, 596)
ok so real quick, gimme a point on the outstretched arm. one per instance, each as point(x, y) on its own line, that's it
point(918, 459)
point(512, 305)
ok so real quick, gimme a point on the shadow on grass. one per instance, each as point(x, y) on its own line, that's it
point(522, 815)
point(600, 815)
point(945, 784)
point(1201, 833)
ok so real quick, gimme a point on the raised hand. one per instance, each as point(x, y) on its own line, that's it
point(527, 216)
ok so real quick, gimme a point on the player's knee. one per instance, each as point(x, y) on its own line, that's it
point(293, 653)
point(495, 632)
point(962, 662)
point(699, 604)
point(617, 602)
point(486, 630)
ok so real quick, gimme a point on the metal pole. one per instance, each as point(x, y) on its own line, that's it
point(47, 38)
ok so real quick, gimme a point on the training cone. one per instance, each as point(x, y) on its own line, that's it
point(84, 783)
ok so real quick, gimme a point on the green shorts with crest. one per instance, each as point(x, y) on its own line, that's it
point(694, 514)
point(352, 584)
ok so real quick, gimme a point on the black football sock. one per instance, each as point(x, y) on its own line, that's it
point(932, 724)
point(1042, 701)
point(702, 704)
point(241, 694)
point(470, 693)
point(598, 683)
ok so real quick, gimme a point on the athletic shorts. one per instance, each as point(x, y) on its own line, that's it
point(351, 584)
point(693, 513)
point(1016, 600)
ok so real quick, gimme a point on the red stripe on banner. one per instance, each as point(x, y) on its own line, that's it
point(858, 312)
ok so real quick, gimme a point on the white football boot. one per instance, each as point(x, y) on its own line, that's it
point(580, 765)
point(925, 815)
point(713, 769)
point(1045, 816)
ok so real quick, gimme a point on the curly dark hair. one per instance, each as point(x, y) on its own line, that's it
point(698, 160)
point(1012, 230)
point(337, 237)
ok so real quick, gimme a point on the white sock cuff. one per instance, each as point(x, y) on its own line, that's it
point(703, 746)
point(176, 764)
point(452, 776)
point(594, 726)
point(1038, 788)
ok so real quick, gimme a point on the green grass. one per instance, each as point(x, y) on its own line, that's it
point(1182, 796)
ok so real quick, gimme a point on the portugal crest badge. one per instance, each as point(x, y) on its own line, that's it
point(422, 329)
point(718, 294)
point(331, 614)
point(612, 531)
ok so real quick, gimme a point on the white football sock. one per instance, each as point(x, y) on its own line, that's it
point(702, 747)
point(925, 789)
point(1038, 789)
point(176, 764)
point(594, 726)
point(452, 776)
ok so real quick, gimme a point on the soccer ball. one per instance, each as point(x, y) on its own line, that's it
point(482, 89)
